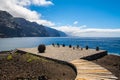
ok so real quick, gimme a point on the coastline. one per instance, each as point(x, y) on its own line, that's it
point(116, 54)
point(110, 44)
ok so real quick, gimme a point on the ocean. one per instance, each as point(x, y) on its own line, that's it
point(111, 44)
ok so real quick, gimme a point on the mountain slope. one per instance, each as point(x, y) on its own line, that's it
point(19, 27)
point(7, 26)
point(53, 31)
point(31, 28)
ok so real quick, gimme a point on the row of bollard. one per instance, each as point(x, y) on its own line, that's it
point(42, 47)
point(70, 46)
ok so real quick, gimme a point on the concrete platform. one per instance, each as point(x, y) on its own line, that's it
point(66, 53)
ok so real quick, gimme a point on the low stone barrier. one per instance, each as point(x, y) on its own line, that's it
point(95, 56)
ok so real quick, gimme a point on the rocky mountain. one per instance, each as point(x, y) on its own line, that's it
point(19, 27)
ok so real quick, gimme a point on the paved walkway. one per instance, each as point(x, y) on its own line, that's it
point(86, 70)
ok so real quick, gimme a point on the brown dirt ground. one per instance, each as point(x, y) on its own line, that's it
point(110, 62)
point(29, 67)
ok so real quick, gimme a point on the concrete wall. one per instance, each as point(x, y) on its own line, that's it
point(95, 56)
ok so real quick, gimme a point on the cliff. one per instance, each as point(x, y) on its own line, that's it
point(19, 27)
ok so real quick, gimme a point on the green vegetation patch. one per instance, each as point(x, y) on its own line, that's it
point(29, 58)
point(9, 57)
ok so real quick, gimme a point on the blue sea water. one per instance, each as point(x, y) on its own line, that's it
point(112, 45)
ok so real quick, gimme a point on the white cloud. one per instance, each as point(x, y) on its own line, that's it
point(76, 22)
point(18, 8)
point(83, 31)
point(48, 23)
point(33, 2)
point(42, 2)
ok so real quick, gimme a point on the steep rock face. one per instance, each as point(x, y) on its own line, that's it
point(8, 28)
point(31, 28)
point(19, 27)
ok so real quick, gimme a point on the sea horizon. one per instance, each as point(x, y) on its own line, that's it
point(111, 44)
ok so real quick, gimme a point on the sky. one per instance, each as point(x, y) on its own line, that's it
point(83, 18)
